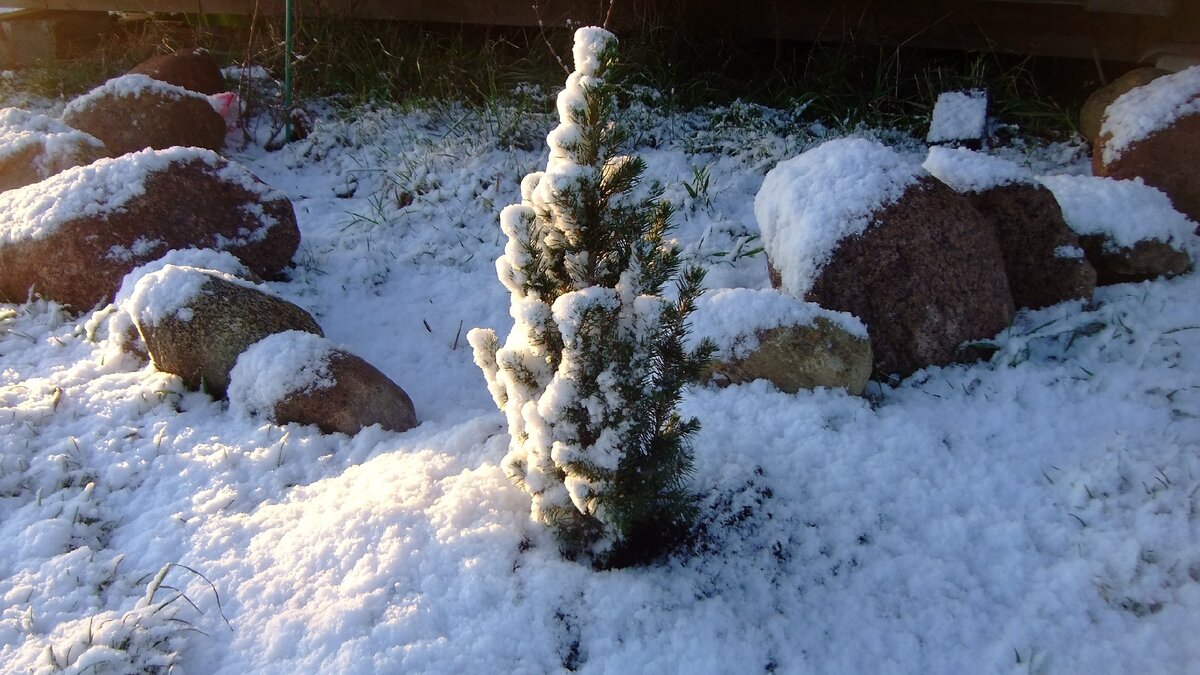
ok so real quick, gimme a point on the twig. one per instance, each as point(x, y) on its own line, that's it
point(537, 11)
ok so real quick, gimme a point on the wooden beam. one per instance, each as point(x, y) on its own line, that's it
point(1050, 27)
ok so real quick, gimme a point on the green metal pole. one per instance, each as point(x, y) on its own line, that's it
point(287, 71)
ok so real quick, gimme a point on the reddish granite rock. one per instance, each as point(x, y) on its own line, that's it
point(73, 237)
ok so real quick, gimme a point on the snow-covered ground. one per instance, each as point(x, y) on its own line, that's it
point(1034, 513)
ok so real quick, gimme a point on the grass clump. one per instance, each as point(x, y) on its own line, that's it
point(353, 62)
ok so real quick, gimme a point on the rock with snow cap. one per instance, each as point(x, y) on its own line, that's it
point(74, 236)
point(193, 69)
point(196, 322)
point(770, 335)
point(1091, 115)
point(133, 112)
point(299, 377)
point(855, 227)
point(1042, 256)
point(1152, 132)
point(1130, 231)
point(34, 147)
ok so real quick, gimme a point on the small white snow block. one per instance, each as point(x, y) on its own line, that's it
point(958, 116)
point(965, 170)
point(809, 203)
point(1143, 110)
point(1124, 211)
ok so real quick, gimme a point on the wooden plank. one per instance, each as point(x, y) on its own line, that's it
point(1048, 27)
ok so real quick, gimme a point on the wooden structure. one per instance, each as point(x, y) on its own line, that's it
point(1119, 30)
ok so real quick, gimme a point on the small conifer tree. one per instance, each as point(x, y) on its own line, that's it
point(591, 374)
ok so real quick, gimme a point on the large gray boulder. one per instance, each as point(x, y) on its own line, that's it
point(855, 227)
point(73, 237)
point(196, 323)
point(133, 112)
point(302, 378)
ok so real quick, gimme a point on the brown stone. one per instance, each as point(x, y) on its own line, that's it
point(133, 112)
point(202, 343)
point(195, 200)
point(1166, 159)
point(1147, 259)
point(34, 147)
point(926, 276)
point(792, 358)
point(360, 396)
point(1091, 115)
point(193, 69)
point(1032, 234)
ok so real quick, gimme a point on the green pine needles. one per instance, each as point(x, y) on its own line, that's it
point(592, 372)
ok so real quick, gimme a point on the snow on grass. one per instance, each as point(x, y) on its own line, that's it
point(1031, 513)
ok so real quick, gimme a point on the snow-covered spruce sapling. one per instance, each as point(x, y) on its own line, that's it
point(591, 374)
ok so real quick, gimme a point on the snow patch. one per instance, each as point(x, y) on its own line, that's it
point(20, 129)
point(965, 170)
point(275, 367)
point(36, 211)
point(1143, 110)
point(167, 292)
point(1123, 211)
point(1069, 253)
point(809, 203)
point(133, 85)
point(733, 317)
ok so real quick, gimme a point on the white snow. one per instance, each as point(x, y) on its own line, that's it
point(167, 291)
point(966, 170)
point(1124, 211)
point(809, 203)
point(1143, 110)
point(958, 116)
point(37, 210)
point(276, 366)
point(1032, 513)
point(732, 317)
point(132, 85)
point(59, 144)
